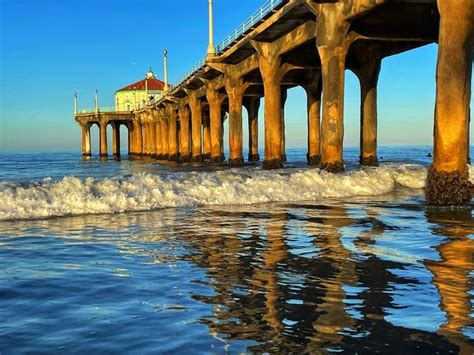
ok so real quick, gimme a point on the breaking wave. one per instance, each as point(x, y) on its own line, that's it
point(139, 192)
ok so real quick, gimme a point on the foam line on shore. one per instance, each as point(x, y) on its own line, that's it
point(140, 192)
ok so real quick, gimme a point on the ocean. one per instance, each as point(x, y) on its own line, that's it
point(134, 256)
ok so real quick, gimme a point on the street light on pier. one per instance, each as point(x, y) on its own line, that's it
point(211, 50)
point(165, 63)
point(75, 103)
point(96, 99)
point(134, 98)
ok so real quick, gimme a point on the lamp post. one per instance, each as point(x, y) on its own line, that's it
point(147, 100)
point(165, 63)
point(211, 50)
point(134, 98)
point(75, 103)
point(96, 99)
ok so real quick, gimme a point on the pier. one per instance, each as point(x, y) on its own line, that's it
point(308, 43)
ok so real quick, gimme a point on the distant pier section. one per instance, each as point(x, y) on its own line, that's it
point(307, 43)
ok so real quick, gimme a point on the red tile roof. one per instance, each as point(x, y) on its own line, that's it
point(153, 84)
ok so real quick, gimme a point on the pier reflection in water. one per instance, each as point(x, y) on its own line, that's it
point(355, 275)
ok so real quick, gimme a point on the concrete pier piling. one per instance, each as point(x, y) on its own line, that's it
point(116, 139)
point(448, 176)
point(313, 94)
point(86, 141)
point(368, 73)
point(252, 105)
point(270, 65)
point(184, 147)
point(333, 44)
point(164, 130)
point(235, 87)
point(206, 132)
point(173, 153)
point(196, 126)
point(103, 139)
point(215, 100)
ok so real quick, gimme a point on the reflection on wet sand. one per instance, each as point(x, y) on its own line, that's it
point(298, 277)
point(451, 274)
point(340, 271)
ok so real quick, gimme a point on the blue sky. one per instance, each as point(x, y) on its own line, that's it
point(49, 49)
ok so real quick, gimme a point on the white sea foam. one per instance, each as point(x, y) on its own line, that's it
point(73, 196)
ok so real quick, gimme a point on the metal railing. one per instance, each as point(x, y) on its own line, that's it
point(199, 65)
point(241, 30)
point(256, 17)
point(93, 110)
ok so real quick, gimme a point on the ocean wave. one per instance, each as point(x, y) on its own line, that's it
point(139, 192)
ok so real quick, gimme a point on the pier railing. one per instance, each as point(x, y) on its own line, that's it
point(93, 110)
point(239, 32)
